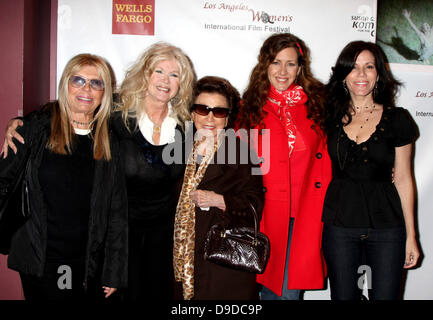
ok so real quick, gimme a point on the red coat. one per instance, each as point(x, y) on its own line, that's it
point(309, 169)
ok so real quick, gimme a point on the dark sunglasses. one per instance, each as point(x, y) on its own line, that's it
point(203, 110)
point(79, 82)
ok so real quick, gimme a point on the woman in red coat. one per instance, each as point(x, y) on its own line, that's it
point(287, 101)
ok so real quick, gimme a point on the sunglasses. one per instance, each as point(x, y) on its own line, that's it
point(79, 82)
point(203, 110)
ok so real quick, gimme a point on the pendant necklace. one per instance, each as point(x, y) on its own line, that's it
point(366, 119)
point(156, 128)
point(342, 162)
point(338, 150)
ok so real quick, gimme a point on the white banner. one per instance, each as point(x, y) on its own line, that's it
point(405, 32)
point(223, 38)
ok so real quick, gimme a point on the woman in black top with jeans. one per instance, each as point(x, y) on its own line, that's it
point(369, 219)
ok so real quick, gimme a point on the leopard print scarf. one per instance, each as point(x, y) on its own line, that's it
point(184, 225)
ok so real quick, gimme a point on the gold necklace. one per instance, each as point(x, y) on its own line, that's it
point(156, 128)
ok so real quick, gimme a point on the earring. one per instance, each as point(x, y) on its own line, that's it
point(345, 87)
point(375, 90)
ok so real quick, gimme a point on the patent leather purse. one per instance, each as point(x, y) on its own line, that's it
point(242, 248)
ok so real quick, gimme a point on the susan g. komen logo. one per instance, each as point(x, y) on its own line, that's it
point(133, 17)
point(364, 21)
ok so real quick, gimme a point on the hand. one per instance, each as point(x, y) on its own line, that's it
point(406, 13)
point(12, 133)
point(206, 199)
point(108, 291)
point(412, 253)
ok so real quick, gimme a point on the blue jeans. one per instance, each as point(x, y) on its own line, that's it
point(287, 294)
point(351, 251)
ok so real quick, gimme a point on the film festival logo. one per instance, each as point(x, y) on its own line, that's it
point(134, 17)
point(272, 22)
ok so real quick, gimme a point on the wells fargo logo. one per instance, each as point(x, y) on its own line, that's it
point(134, 17)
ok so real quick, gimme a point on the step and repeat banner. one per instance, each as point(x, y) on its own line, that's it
point(405, 33)
point(223, 38)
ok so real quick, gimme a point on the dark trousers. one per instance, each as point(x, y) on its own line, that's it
point(51, 286)
point(349, 252)
point(150, 265)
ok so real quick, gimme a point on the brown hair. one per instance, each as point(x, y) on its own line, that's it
point(212, 84)
point(255, 96)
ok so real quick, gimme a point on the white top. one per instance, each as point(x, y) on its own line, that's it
point(168, 128)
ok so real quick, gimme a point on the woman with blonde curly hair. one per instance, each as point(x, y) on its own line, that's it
point(285, 99)
point(153, 105)
point(135, 90)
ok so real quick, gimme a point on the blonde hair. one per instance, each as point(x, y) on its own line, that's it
point(62, 133)
point(134, 86)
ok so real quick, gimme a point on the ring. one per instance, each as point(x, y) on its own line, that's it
point(10, 135)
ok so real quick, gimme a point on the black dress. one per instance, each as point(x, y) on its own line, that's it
point(152, 197)
point(361, 193)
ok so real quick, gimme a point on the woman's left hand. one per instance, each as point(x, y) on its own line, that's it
point(206, 199)
point(412, 253)
point(108, 291)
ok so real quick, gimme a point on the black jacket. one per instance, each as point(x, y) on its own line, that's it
point(107, 247)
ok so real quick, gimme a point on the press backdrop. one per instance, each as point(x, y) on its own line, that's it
point(223, 38)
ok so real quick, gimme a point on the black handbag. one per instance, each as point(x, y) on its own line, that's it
point(14, 205)
point(242, 248)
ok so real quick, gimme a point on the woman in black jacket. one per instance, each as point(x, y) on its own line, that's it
point(76, 236)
